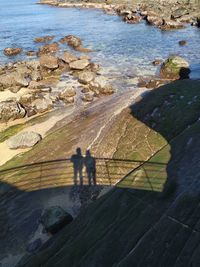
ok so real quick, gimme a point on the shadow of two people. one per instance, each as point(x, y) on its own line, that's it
point(79, 162)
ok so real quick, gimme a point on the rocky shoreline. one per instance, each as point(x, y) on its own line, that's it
point(166, 16)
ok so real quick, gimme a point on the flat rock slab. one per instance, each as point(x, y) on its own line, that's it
point(79, 64)
point(24, 140)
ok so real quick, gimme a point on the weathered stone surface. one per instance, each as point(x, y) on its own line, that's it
point(43, 39)
point(49, 62)
point(86, 77)
point(68, 94)
point(179, 12)
point(154, 20)
point(100, 85)
point(72, 40)
point(13, 79)
point(55, 218)
point(24, 140)
point(132, 19)
point(48, 49)
point(171, 25)
point(79, 64)
point(12, 51)
point(68, 57)
point(175, 67)
point(88, 97)
point(11, 110)
point(42, 104)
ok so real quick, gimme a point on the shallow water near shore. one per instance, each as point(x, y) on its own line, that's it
point(123, 50)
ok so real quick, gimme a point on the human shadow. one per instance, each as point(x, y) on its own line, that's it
point(90, 165)
point(78, 161)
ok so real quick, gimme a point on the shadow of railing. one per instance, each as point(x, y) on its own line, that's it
point(109, 172)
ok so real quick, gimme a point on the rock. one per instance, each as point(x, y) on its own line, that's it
point(48, 49)
point(175, 67)
point(34, 246)
point(86, 77)
point(88, 97)
point(42, 104)
point(14, 89)
point(75, 42)
point(85, 57)
point(100, 85)
point(24, 140)
point(171, 25)
point(198, 22)
point(154, 20)
point(30, 53)
point(132, 19)
point(44, 39)
point(156, 62)
point(11, 110)
point(27, 99)
point(12, 51)
point(183, 42)
point(72, 40)
point(68, 92)
point(49, 62)
point(67, 57)
point(55, 218)
point(79, 64)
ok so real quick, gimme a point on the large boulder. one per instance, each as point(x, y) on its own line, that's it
point(24, 140)
point(13, 79)
point(79, 64)
point(86, 77)
point(175, 67)
point(55, 218)
point(12, 51)
point(11, 110)
point(49, 62)
point(68, 57)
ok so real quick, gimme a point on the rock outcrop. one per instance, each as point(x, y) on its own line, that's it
point(175, 67)
point(12, 51)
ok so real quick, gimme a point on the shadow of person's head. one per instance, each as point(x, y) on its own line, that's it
point(78, 151)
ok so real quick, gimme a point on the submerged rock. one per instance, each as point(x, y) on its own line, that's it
point(43, 39)
point(12, 51)
point(72, 40)
point(11, 110)
point(182, 42)
point(175, 67)
point(24, 140)
point(55, 218)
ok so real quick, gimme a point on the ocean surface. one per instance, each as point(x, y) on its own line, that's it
point(123, 50)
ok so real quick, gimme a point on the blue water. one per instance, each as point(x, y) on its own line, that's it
point(122, 49)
